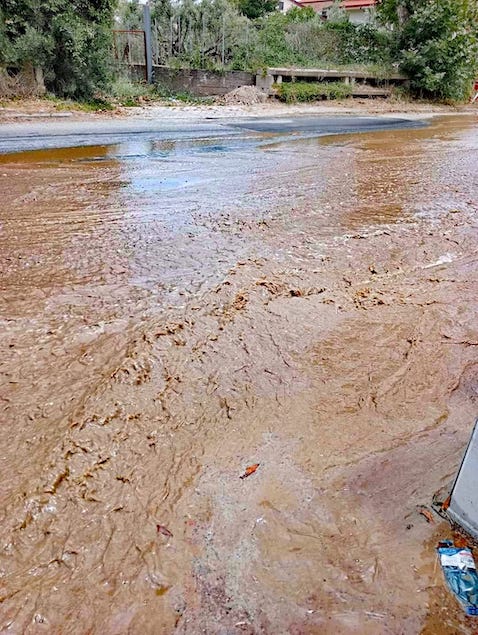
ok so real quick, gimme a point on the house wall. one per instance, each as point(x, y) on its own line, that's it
point(285, 5)
point(359, 16)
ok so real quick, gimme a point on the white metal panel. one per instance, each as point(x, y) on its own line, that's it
point(463, 507)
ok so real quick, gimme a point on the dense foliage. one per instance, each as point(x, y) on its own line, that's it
point(70, 41)
point(214, 34)
point(436, 44)
point(254, 9)
point(433, 41)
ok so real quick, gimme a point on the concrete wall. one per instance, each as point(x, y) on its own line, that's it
point(360, 16)
point(136, 72)
point(201, 83)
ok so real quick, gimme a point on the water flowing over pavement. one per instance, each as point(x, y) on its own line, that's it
point(173, 311)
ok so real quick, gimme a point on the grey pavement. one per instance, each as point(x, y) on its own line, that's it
point(18, 137)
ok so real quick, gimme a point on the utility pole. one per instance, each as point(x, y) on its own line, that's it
point(147, 42)
point(223, 47)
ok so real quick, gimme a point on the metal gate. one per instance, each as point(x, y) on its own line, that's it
point(130, 47)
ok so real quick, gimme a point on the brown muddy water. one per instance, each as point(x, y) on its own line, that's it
point(172, 313)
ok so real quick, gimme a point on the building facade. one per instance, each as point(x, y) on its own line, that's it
point(359, 11)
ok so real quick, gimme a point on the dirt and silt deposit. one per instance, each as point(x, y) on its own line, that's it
point(173, 313)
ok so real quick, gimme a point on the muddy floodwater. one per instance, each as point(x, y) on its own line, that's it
point(173, 312)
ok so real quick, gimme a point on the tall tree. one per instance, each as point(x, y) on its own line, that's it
point(254, 9)
point(71, 41)
point(395, 12)
point(437, 42)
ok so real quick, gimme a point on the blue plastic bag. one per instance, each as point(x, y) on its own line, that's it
point(460, 574)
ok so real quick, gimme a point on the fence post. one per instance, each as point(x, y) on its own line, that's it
point(170, 37)
point(223, 47)
point(147, 42)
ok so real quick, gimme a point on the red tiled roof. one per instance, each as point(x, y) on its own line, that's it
point(346, 4)
point(358, 4)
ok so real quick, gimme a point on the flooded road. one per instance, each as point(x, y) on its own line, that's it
point(174, 311)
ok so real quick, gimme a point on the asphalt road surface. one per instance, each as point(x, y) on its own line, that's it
point(20, 137)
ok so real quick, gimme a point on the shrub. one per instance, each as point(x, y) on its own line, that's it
point(436, 44)
point(128, 93)
point(291, 92)
point(441, 48)
point(212, 34)
point(70, 42)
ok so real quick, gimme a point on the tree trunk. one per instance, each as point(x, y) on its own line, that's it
point(402, 12)
point(39, 80)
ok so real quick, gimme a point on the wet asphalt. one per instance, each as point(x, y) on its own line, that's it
point(20, 137)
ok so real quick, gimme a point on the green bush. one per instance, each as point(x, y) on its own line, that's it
point(435, 43)
point(128, 93)
point(70, 42)
point(90, 105)
point(256, 8)
point(292, 92)
point(440, 47)
point(211, 34)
